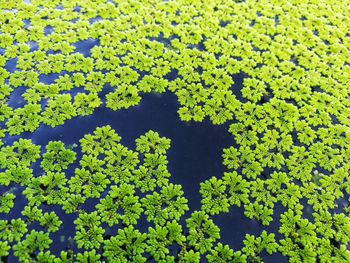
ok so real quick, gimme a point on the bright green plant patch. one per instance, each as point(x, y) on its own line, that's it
point(290, 126)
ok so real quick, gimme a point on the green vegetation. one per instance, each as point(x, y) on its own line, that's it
point(290, 127)
point(56, 157)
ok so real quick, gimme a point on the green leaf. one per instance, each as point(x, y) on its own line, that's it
point(166, 206)
point(49, 188)
point(151, 142)
point(34, 241)
point(86, 104)
point(24, 119)
point(6, 202)
point(190, 257)
point(88, 256)
point(220, 254)
point(12, 230)
point(57, 157)
point(50, 221)
point(124, 97)
point(120, 163)
point(297, 230)
point(158, 243)
point(58, 110)
point(21, 154)
point(121, 203)
point(259, 212)
point(88, 231)
point(4, 248)
point(152, 173)
point(88, 183)
point(237, 188)
point(254, 246)
point(73, 203)
point(127, 245)
point(214, 197)
point(33, 213)
point(202, 232)
point(103, 138)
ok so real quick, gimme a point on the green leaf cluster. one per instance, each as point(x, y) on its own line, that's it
point(57, 157)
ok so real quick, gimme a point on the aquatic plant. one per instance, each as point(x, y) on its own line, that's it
point(22, 153)
point(85, 104)
point(88, 231)
point(153, 172)
point(104, 138)
point(275, 73)
point(127, 245)
point(254, 246)
point(223, 253)
point(87, 181)
point(12, 230)
point(151, 142)
point(124, 97)
point(49, 189)
point(202, 231)
point(165, 206)
point(24, 119)
point(58, 110)
point(6, 202)
point(57, 157)
point(34, 242)
point(123, 200)
point(160, 238)
point(50, 221)
point(4, 248)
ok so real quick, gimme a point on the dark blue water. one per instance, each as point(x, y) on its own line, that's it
point(84, 46)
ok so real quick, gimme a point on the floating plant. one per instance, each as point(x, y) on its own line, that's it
point(287, 167)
